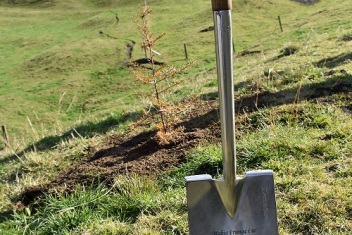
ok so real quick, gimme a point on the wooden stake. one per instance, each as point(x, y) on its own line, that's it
point(280, 23)
point(5, 136)
point(186, 54)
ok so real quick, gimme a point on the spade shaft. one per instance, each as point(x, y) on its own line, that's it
point(224, 59)
point(224, 55)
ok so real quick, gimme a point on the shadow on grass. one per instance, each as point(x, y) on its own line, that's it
point(214, 95)
point(333, 85)
point(5, 215)
point(86, 130)
point(335, 61)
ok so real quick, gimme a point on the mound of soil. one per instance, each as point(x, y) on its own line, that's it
point(140, 154)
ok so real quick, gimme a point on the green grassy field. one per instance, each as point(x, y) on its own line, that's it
point(64, 87)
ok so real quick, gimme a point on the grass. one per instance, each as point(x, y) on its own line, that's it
point(63, 89)
point(89, 209)
point(62, 66)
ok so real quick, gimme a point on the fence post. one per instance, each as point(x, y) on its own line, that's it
point(280, 23)
point(186, 54)
point(5, 136)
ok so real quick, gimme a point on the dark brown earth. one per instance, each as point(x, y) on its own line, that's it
point(141, 153)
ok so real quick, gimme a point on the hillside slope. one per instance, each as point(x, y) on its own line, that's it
point(94, 164)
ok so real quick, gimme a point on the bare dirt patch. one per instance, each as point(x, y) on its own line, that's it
point(133, 154)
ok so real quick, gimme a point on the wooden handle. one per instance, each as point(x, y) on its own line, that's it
point(221, 5)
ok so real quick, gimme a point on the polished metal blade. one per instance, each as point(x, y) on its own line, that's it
point(256, 207)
